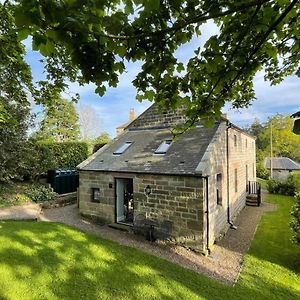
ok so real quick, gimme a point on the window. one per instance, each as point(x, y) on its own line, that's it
point(235, 140)
point(163, 147)
point(123, 148)
point(95, 195)
point(235, 180)
point(246, 143)
point(219, 189)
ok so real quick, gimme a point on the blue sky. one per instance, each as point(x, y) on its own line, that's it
point(113, 108)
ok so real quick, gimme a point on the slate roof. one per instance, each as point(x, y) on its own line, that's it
point(182, 157)
point(282, 163)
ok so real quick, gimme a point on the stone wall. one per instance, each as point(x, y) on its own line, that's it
point(154, 116)
point(174, 201)
point(241, 154)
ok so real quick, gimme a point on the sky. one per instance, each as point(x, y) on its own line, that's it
point(113, 108)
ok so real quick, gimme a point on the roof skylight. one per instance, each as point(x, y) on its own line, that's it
point(163, 147)
point(123, 148)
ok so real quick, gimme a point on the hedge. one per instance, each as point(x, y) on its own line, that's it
point(65, 155)
point(288, 187)
point(44, 156)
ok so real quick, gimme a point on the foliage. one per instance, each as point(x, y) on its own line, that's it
point(294, 178)
point(90, 41)
point(295, 224)
point(15, 81)
point(18, 193)
point(101, 141)
point(43, 156)
point(285, 142)
point(261, 171)
point(12, 193)
point(60, 123)
point(282, 187)
point(262, 182)
point(39, 193)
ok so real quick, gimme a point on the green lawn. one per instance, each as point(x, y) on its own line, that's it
point(53, 261)
point(263, 183)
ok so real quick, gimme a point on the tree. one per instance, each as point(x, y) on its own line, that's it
point(285, 142)
point(89, 41)
point(15, 81)
point(60, 123)
point(89, 122)
point(101, 141)
point(255, 129)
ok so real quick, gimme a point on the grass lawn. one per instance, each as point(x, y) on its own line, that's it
point(263, 183)
point(53, 261)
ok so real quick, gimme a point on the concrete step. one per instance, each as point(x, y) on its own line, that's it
point(251, 204)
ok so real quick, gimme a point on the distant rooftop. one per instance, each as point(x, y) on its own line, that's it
point(281, 163)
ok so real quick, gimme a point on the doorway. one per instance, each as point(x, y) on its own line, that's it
point(124, 201)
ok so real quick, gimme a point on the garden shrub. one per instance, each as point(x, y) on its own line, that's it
point(261, 171)
point(294, 179)
point(43, 156)
point(281, 187)
point(295, 224)
point(40, 193)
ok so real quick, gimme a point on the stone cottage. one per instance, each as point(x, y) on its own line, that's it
point(189, 190)
point(281, 167)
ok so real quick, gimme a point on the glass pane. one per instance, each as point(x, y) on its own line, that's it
point(163, 148)
point(123, 148)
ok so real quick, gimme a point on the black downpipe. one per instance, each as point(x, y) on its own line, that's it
point(232, 226)
point(207, 214)
point(227, 160)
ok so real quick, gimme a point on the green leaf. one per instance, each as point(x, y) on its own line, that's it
point(180, 67)
point(100, 90)
point(23, 34)
point(21, 18)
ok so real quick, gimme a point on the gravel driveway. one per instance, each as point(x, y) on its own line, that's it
point(224, 263)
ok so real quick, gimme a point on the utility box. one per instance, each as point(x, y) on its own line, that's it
point(63, 181)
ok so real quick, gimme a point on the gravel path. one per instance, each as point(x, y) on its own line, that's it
point(28, 211)
point(224, 263)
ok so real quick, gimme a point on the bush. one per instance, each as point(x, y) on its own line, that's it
point(295, 224)
point(41, 157)
point(40, 193)
point(281, 187)
point(294, 179)
point(261, 171)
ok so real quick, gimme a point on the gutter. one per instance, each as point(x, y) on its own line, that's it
point(207, 214)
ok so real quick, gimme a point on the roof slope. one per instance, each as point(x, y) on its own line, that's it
point(182, 157)
point(156, 117)
point(281, 163)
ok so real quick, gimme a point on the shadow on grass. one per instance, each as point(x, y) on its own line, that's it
point(53, 261)
point(273, 239)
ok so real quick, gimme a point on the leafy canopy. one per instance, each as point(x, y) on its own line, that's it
point(90, 40)
point(60, 123)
